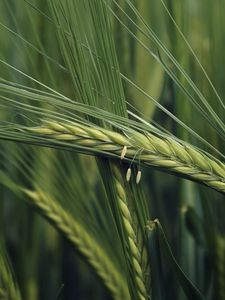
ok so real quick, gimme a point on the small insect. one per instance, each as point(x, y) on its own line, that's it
point(138, 177)
point(123, 153)
point(128, 175)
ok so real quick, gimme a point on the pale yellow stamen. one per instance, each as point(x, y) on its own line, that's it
point(123, 153)
point(138, 178)
point(128, 175)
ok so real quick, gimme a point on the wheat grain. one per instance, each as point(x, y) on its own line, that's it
point(151, 150)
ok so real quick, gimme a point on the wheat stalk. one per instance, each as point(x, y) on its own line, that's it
point(151, 150)
point(220, 267)
point(82, 242)
point(8, 288)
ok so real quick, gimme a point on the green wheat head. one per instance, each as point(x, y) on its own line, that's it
point(149, 149)
point(81, 241)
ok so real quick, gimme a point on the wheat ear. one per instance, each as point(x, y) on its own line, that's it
point(82, 242)
point(164, 153)
point(134, 251)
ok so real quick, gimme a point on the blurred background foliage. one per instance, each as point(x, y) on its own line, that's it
point(44, 264)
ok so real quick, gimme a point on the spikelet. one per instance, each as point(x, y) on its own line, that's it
point(128, 175)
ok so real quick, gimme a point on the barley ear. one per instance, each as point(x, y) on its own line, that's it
point(81, 241)
point(134, 251)
point(148, 149)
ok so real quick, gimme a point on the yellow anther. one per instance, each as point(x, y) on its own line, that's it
point(123, 153)
point(138, 177)
point(128, 175)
